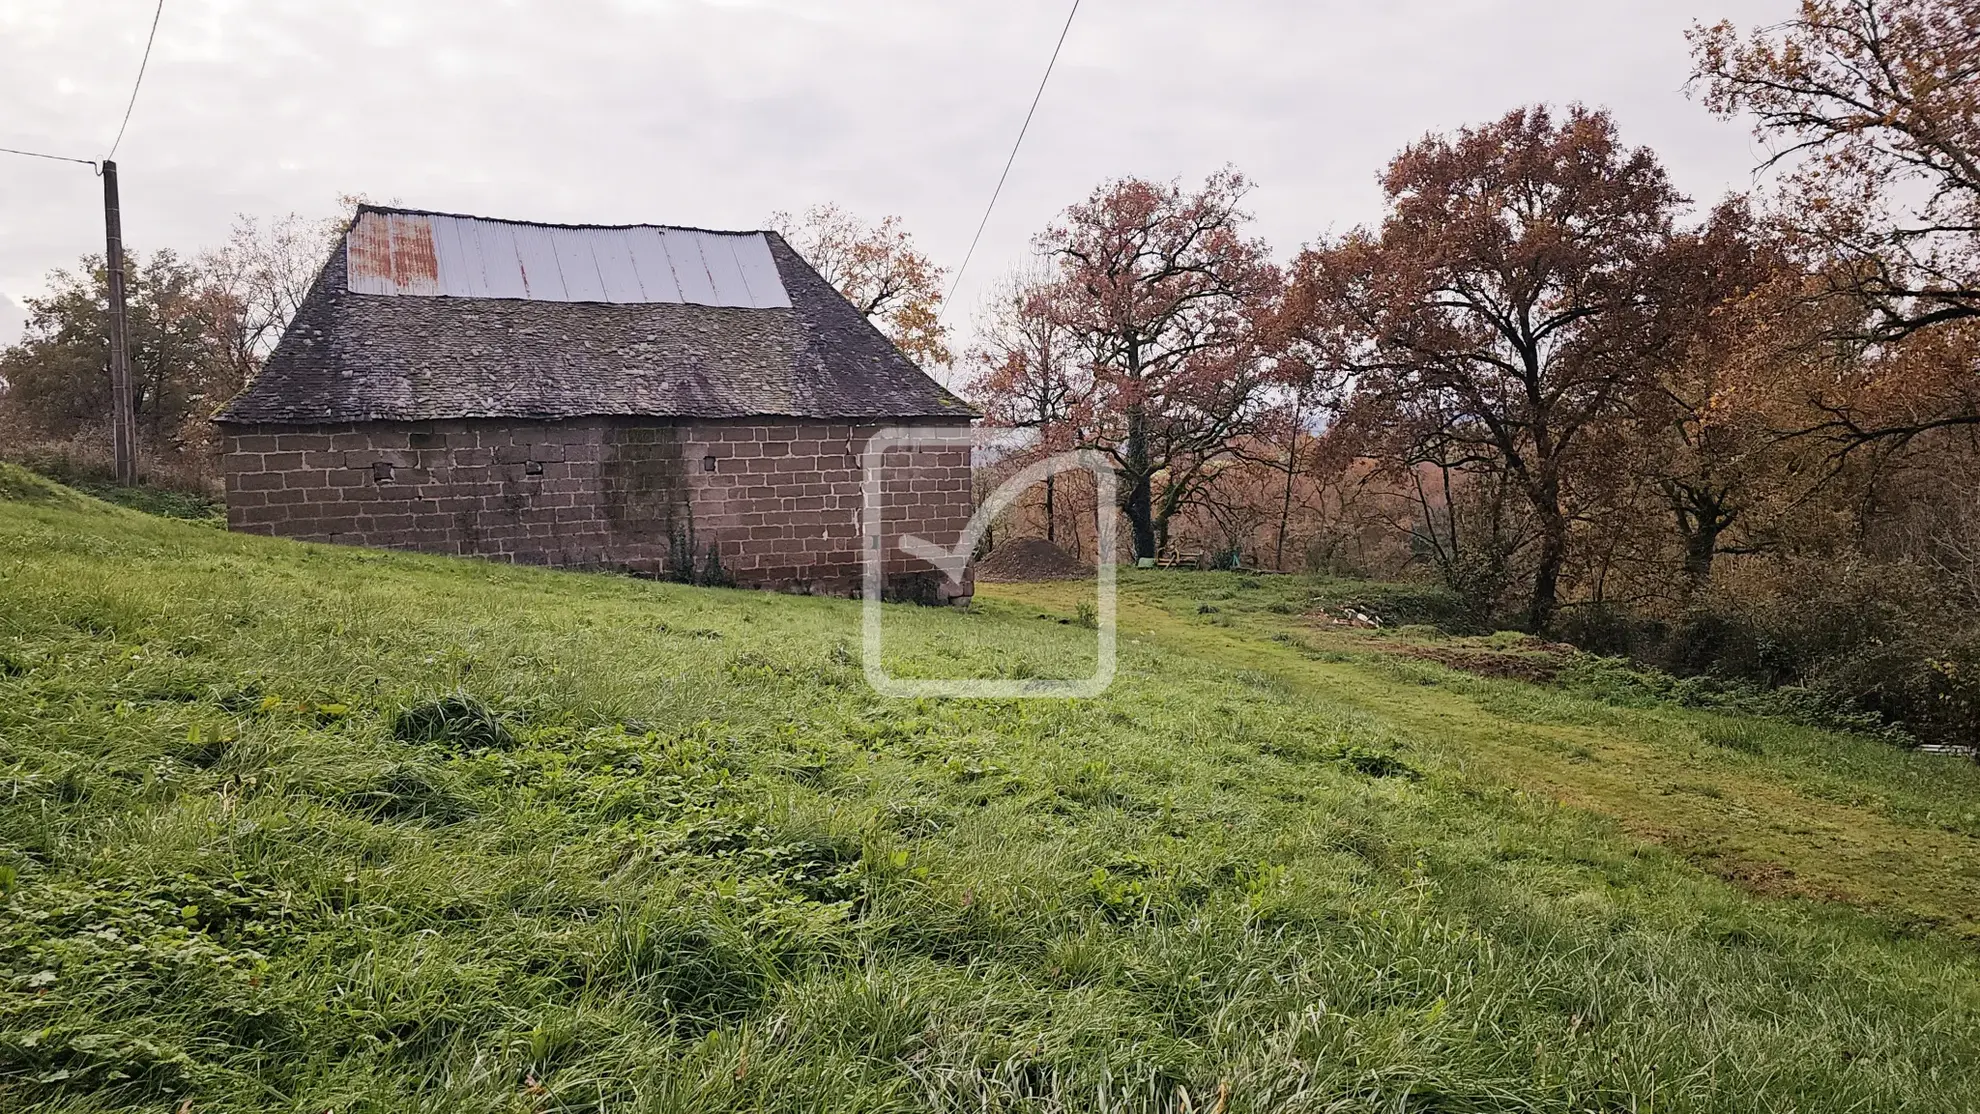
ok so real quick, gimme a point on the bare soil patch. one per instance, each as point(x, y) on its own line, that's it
point(1536, 668)
point(1030, 559)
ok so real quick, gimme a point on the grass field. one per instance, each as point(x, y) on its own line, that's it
point(260, 849)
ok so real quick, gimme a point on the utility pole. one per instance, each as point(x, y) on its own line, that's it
point(123, 419)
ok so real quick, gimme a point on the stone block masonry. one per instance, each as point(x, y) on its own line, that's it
point(777, 501)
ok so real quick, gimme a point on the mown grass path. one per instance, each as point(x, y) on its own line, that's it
point(1793, 810)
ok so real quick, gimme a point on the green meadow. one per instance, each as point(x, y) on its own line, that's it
point(301, 828)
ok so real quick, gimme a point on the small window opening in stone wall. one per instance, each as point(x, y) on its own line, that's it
point(708, 464)
point(533, 468)
point(381, 471)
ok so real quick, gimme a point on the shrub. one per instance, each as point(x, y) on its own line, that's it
point(1624, 682)
point(174, 483)
point(1848, 644)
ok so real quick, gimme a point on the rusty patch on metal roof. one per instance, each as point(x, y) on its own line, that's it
point(414, 268)
point(392, 253)
point(368, 250)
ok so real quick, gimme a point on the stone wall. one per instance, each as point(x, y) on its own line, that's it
point(776, 500)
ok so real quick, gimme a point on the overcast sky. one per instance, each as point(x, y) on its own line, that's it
point(717, 112)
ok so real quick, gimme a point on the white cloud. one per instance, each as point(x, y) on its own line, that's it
point(717, 113)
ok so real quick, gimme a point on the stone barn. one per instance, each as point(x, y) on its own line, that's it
point(665, 401)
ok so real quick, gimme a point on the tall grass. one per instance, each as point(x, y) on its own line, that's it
point(300, 828)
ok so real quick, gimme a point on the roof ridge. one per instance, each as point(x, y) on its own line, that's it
point(371, 207)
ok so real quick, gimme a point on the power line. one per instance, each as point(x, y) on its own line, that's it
point(91, 163)
point(987, 209)
point(143, 64)
point(139, 83)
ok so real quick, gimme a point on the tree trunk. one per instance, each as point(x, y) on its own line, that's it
point(1700, 548)
point(1546, 497)
point(1140, 502)
point(1285, 502)
point(1051, 515)
point(1547, 577)
point(1702, 518)
point(1140, 519)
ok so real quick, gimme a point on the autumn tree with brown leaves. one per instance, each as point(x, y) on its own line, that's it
point(1025, 370)
point(1162, 292)
point(880, 271)
point(1310, 350)
point(1871, 108)
point(1708, 436)
point(1508, 300)
point(180, 324)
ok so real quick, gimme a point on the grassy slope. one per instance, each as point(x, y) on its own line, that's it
point(1785, 809)
point(715, 872)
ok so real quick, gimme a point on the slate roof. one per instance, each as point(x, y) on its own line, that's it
point(350, 357)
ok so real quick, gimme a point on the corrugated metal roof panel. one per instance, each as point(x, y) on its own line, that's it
point(430, 254)
point(612, 254)
point(759, 270)
point(730, 289)
point(368, 255)
point(495, 248)
point(543, 279)
point(580, 269)
point(650, 262)
point(459, 269)
point(690, 270)
point(415, 267)
point(392, 253)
